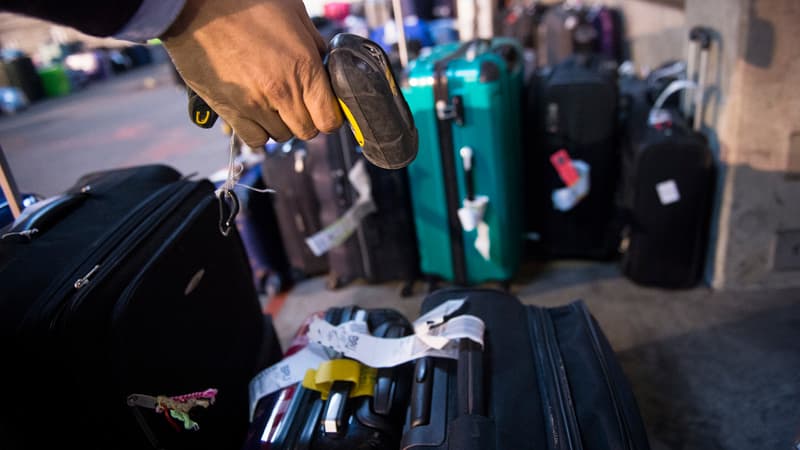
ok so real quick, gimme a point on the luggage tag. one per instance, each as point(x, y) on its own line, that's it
point(471, 217)
point(575, 175)
point(436, 335)
point(563, 165)
point(176, 407)
point(338, 232)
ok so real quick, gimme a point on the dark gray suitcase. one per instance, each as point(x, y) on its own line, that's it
point(288, 168)
point(383, 247)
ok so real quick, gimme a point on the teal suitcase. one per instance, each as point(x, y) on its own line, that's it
point(466, 100)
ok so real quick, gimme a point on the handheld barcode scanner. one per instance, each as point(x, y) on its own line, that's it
point(362, 79)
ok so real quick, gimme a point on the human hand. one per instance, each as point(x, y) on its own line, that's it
point(258, 64)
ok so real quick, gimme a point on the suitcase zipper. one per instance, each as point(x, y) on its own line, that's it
point(553, 384)
point(114, 249)
point(624, 428)
point(55, 297)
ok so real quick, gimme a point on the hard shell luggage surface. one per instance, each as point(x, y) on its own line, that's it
point(547, 378)
point(127, 286)
point(297, 417)
point(288, 169)
point(476, 90)
point(576, 110)
point(383, 246)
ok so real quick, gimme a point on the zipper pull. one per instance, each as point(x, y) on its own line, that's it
point(81, 282)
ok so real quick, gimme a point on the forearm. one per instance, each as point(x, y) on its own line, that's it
point(127, 19)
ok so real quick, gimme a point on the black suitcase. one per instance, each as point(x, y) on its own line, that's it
point(125, 285)
point(669, 177)
point(293, 417)
point(383, 248)
point(575, 107)
point(547, 379)
point(288, 168)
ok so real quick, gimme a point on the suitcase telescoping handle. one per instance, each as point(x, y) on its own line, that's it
point(697, 72)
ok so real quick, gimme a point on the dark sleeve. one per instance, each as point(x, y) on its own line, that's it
point(96, 17)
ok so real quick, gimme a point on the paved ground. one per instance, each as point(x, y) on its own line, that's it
point(711, 370)
point(136, 118)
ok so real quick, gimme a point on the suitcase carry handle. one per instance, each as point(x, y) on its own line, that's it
point(40, 216)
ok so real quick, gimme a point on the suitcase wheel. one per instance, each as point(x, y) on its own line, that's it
point(335, 281)
point(407, 290)
point(433, 284)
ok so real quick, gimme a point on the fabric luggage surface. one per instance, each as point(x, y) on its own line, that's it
point(469, 152)
point(669, 175)
point(126, 285)
point(293, 417)
point(549, 380)
point(288, 169)
point(383, 246)
point(576, 111)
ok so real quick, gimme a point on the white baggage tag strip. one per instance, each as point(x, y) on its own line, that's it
point(434, 337)
point(566, 198)
point(381, 352)
point(337, 232)
point(471, 217)
point(287, 372)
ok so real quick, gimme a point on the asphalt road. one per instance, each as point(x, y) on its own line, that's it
point(139, 117)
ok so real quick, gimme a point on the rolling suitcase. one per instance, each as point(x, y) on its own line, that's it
point(297, 417)
point(574, 167)
point(546, 378)
point(383, 245)
point(120, 296)
point(669, 176)
point(287, 168)
point(465, 186)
